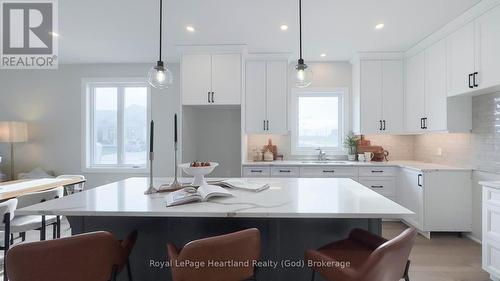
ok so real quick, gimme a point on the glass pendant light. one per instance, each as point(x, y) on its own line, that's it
point(301, 74)
point(159, 76)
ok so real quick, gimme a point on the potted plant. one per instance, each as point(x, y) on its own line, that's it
point(351, 144)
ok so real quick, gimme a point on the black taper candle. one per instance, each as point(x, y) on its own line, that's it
point(151, 136)
point(175, 127)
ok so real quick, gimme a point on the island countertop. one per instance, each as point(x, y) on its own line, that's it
point(286, 198)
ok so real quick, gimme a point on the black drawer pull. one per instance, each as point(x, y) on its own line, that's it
point(285, 171)
point(377, 186)
point(328, 171)
point(256, 171)
point(377, 171)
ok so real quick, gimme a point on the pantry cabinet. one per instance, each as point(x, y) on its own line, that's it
point(378, 96)
point(266, 97)
point(211, 79)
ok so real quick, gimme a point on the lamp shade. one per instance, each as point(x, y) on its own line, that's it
point(13, 131)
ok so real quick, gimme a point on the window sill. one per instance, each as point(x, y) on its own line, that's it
point(116, 170)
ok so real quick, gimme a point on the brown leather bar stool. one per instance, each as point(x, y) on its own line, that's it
point(86, 257)
point(371, 257)
point(127, 245)
point(242, 247)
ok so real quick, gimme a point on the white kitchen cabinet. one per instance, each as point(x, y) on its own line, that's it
point(424, 193)
point(256, 172)
point(427, 106)
point(415, 93)
point(460, 52)
point(285, 172)
point(487, 40)
point(491, 230)
point(378, 94)
point(329, 172)
point(211, 79)
point(266, 97)
point(383, 185)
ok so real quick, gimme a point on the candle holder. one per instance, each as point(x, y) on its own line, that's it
point(151, 188)
point(175, 185)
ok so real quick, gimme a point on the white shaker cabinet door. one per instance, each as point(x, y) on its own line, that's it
point(393, 96)
point(460, 53)
point(435, 87)
point(226, 79)
point(277, 97)
point(415, 93)
point(196, 79)
point(488, 49)
point(371, 97)
point(255, 97)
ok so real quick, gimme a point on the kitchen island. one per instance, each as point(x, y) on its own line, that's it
point(293, 215)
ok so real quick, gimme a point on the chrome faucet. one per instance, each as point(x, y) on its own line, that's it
point(321, 155)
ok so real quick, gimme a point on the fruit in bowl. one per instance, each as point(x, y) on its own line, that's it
point(198, 170)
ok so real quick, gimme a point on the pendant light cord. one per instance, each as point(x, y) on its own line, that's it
point(161, 21)
point(300, 28)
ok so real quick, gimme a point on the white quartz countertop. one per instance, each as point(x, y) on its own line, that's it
point(493, 184)
point(422, 166)
point(286, 198)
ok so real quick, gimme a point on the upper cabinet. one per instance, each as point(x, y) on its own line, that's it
point(427, 107)
point(378, 96)
point(473, 56)
point(266, 97)
point(211, 79)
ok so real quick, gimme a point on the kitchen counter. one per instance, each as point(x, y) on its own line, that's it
point(416, 165)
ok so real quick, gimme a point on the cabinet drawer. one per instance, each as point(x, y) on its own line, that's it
point(377, 171)
point(292, 172)
point(256, 171)
point(491, 196)
point(329, 171)
point(383, 185)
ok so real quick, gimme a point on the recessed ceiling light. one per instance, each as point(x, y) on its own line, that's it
point(284, 27)
point(190, 28)
point(323, 55)
point(379, 26)
point(53, 34)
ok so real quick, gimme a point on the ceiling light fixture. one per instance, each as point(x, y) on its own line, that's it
point(52, 33)
point(159, 76)
point(323, 55)
point(301, 74)
point(284, 27)
point(379, 26)
point(189, 28)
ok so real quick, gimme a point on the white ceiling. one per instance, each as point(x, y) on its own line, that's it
point(116, 31)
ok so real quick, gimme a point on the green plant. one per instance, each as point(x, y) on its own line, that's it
point(351, 143)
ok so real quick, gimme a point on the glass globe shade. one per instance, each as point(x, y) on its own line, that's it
point(160, 77)
point(301, 75)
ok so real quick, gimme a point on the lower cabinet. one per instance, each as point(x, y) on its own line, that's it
point(428, 194)
point(385, 186)
point(491, 231)
point(256, 172)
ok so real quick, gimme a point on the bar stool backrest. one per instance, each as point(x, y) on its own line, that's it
point(77, 187)
point(86, 257)
point(6, 207)
point(38, 197)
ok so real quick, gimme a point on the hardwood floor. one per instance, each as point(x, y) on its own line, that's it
point(445, 257)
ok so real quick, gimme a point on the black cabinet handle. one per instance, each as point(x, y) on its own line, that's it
point(267, 125)
point(208, 97)
point(425, 123)
point(256, 171)
point(421, 123)
point(328, 171)
point(263, 125)
point(470, 83)
point(474, 79)
point(285, 171)
point(380, 127)
point(377, 186)
point(419, 183)
point(377, 171)
point(213, 97)
point(384, 124)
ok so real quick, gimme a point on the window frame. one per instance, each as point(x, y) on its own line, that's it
point(343, 94)
point(88, 136)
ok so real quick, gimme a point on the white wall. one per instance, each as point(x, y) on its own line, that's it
point(50, 101)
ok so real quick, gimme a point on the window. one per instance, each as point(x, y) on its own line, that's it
point(318, 120)
point(116, 124)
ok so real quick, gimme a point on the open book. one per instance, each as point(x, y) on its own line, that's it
point(203, 193)
point(242, 184)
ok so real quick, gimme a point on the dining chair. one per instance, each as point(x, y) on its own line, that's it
point(98, 255)
point(75, 188)
point(370, 257)
point(127, 245)
point(7, 209)
point(242, 247)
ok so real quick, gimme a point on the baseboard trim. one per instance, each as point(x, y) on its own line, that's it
point(473, 238)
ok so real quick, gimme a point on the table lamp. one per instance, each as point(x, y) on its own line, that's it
point(13, 132)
